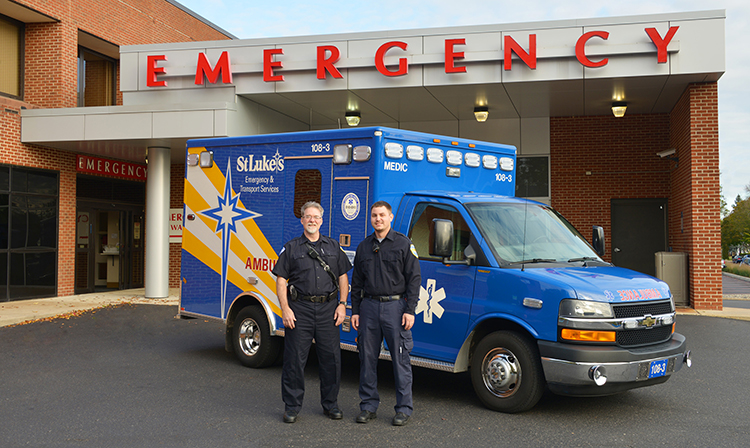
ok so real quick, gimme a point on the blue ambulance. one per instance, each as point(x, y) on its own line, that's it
point(511, 291)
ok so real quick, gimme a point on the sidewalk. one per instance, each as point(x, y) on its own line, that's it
point(20, 311)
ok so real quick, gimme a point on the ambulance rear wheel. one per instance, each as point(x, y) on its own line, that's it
point(253, 344)
point(506, 372)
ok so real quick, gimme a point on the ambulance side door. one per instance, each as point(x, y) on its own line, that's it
point(445, 297)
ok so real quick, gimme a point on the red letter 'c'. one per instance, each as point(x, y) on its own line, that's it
point(581, 49)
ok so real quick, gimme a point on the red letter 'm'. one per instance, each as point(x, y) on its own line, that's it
point(403, 66)
point(204, 68)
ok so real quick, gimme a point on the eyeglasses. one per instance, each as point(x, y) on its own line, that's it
point(315, 217)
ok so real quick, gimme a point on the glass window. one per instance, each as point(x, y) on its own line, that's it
point(307, 187)
point(11, 56)
point(422, 235)
point(28, 232)
point(32, 274)
point(96, 79)
point(526, 232)
point(532, 177)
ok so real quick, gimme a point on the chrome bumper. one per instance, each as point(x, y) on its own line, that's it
point(623, 369)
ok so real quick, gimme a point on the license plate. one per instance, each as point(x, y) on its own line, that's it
point(657, 368)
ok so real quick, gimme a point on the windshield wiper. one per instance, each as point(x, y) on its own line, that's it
point(584, 260)
point(535, 260)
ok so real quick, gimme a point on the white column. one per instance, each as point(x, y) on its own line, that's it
point(157, 223)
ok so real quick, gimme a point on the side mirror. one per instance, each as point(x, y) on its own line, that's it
point(597, 240)
point(442, 243)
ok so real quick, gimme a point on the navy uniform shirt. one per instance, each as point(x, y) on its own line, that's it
point(305, 272)
point(393, 269)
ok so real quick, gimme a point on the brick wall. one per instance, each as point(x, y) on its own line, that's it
point(694, 221)
point(50, 81)
point(619, 155)
point(176, 193)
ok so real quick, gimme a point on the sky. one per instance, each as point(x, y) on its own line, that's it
point(248, 19)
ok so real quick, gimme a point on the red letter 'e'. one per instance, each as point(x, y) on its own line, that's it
point(152, 70)
point(451, 56)
point(269, 64)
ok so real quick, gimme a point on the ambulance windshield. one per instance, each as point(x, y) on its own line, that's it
point(528, 233)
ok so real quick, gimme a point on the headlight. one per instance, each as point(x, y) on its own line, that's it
point(585, 309)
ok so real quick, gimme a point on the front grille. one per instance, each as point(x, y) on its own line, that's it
point(641, 309)
point(644, 336)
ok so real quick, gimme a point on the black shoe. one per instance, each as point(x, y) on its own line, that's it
point(334, 413)
point(366, 416)
point(400, 419)
point(290, 416)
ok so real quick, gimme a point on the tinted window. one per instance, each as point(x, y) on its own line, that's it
point(307, 187)
point(422, 235)
point(532, 177)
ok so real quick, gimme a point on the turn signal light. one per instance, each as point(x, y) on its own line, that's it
point(588, 335)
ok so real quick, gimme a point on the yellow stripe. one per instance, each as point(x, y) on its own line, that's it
point(195, 247)
point(196, 202)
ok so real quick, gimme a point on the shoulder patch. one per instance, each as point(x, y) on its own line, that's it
point(414, 250)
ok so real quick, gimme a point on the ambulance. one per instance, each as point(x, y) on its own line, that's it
point(510, 291)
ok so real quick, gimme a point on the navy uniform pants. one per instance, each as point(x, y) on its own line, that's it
point(314, 320)
point(378, 320)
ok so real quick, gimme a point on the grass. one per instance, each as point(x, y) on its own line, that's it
point(739, 269)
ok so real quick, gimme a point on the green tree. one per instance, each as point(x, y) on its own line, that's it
point(735, 227)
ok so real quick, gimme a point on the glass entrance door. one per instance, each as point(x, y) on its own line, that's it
point(109, 249)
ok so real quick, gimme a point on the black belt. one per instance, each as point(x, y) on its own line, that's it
point(386, 298)
point(318, 299)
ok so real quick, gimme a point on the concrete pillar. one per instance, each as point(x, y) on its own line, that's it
point(157, 223)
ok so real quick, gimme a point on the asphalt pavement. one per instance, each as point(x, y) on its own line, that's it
point(128, 375)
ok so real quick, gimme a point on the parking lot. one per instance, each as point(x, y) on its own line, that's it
point(133, 375)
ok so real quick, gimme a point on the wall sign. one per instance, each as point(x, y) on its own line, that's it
point(110, 168)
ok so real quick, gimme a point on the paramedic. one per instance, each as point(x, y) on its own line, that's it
point(385, 291)
point(312, 286)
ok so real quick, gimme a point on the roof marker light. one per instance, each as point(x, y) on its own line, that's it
point(489, 162)
point(394, 150)
point(472, 160)
point(454, 157)
point(415, 153)
point(435, 155)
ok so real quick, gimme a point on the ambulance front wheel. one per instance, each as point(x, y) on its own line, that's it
point(253, 344)
point(506, 372)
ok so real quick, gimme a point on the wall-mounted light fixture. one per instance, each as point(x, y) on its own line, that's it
point(353, 118)
point(619, 108)
point(481, 113)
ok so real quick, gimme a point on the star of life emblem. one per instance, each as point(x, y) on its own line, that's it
point(429, 301)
